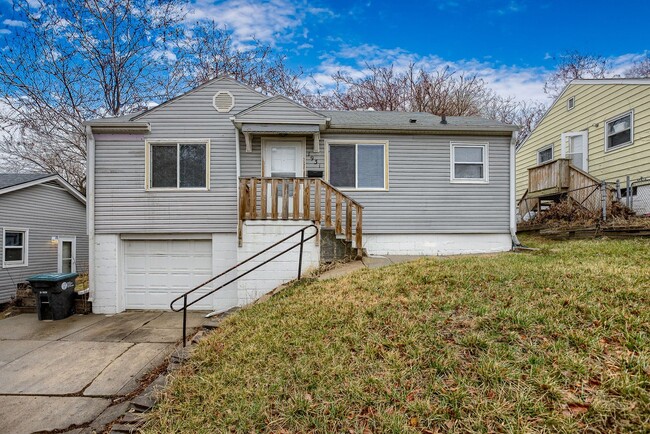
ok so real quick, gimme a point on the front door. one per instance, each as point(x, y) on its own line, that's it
point(67, 255)
point(283, 158)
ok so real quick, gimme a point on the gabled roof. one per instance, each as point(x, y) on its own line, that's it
point(17, 181)
point(591, 82)
point(280, 104)
point(191, 91)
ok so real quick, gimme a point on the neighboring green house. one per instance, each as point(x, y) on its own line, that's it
point(602, 126)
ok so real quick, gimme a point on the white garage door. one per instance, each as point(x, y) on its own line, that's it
point(157, 271)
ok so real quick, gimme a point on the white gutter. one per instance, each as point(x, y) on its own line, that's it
point(513, 208)
point(90, 208)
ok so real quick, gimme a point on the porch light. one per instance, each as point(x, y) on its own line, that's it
point(55, 240)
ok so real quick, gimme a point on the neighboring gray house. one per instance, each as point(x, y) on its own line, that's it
point(183, 191)
point(43, 224)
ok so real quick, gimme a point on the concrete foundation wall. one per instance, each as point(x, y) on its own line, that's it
point(436, 244)
point(258, 235)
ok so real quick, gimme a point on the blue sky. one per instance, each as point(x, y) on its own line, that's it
point(510, 43)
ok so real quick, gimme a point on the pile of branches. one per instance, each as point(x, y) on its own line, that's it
point(568, 213)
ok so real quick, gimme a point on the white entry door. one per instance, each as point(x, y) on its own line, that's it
point(283, 158)
point(575, 147)
point(67, 255)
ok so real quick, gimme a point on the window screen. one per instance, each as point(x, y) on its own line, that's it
point(192, 166)
point(544, 155)
point(14, 247)
point(371, 166)
point(163, 166)
point(342, 165)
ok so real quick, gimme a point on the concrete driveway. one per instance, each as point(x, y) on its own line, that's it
point(61, 374)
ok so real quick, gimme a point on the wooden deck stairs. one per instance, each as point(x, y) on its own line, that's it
point(311, 199)
point(555, 180)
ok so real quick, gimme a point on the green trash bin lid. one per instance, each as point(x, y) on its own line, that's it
point(51, 277)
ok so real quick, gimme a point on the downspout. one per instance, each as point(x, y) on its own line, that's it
point(237, 163)
point(90, 208)
point(513, 208)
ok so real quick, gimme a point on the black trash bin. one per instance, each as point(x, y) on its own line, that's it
point(54, 294)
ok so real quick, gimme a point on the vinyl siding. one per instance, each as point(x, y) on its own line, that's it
point(47, 211)
point(280, 110)
point(595, 103)
point(121, 203)
point(420, 198)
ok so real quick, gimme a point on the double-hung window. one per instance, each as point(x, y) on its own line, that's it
point(619, 131)
point(358, 165)
point(178, 165)
point(14, 247)
point(469, 163)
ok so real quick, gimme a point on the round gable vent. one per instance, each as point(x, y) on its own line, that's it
point(223, 101)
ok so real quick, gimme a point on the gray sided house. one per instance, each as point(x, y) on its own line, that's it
point(187, 189)
point(43, 224)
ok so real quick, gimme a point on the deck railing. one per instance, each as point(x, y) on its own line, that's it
point(551, 177)
point(301, 199)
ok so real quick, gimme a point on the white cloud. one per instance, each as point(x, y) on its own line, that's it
point(271, 21)
point(14, 23)
point(5, 32)
point(521, 82)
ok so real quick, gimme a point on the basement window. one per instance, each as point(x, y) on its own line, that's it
point(180, 165)
point(14, 247)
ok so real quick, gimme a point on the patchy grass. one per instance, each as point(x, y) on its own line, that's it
point(555, 340)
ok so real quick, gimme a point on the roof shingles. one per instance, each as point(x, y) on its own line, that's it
point(12, 179)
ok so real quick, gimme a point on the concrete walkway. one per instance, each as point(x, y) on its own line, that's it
point(366, 262)
point(59, 374)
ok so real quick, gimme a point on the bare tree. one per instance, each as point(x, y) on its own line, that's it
point(524, 114)
point(574, 65)
point(640, 69)
point(78, 60)
point(210, 52)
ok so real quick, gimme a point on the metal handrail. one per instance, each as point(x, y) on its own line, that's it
point(303, 240)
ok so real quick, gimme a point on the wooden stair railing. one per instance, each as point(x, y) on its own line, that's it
point(308, 204)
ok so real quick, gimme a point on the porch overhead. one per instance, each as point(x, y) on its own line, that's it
point(280, 130)
point(280, 116)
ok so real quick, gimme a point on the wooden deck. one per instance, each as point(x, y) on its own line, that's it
point(559, 179)
point(301, 199)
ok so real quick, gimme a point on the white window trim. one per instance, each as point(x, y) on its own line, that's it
point(585, 153)
point(615, 118)
point(73, 240)
point(356, 164)
point(148, 166)
point(301, 143)
point(545, 148)
point(25, 261)
point(568, 103)
point(486, 163)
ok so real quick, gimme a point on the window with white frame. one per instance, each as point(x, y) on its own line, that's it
point(357, 165)
point(14, 247)
point(545, 154)
point(571, 103)
point(619, 131)
point(469, 162)
point(178, 165)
